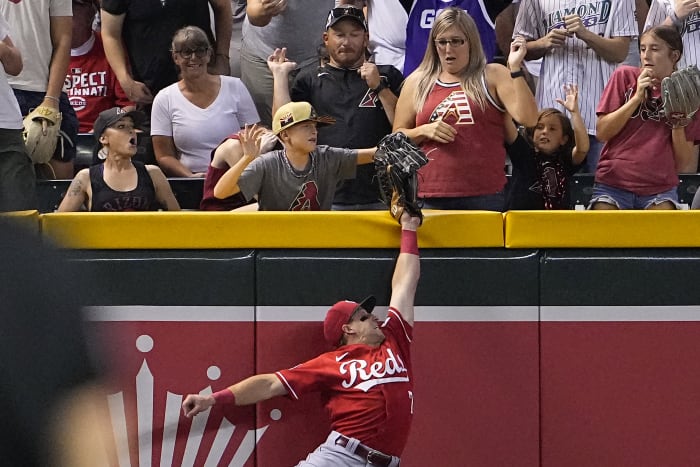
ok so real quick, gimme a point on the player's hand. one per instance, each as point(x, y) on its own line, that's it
point(195, 403)
point(439, 131)
point(409, 222)
point(370, 73)
point(273, 7)
point(278, 63)
point(518, 49)
point(685, 8)
point(198, 175)
point(571, 102)
point(555, 38)
point(250, 138)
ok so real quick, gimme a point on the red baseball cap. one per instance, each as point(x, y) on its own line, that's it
point(339, 314)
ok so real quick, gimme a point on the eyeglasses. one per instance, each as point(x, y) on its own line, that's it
point(199, 52)
point(454, 42)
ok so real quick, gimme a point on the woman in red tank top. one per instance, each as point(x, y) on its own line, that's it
point(454, 107)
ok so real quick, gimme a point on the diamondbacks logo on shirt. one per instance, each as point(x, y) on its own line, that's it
point(454, 109)
point(307, 199)
point(363, 376)
point(370, 99)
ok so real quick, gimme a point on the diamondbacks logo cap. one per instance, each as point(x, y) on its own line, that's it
point(346, 12)
point(111, 116)
point(339, 314)
point(292, 113)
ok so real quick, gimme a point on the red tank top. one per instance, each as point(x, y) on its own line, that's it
point(473, 164)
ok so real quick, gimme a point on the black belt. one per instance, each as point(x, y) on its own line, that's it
point(373, 457)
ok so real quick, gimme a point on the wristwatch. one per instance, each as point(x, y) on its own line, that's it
point(382, 85)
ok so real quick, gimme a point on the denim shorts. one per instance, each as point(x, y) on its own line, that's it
point(624, 199)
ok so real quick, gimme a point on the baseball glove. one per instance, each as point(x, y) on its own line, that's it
point(41, 130)
point(396, 162)
point(681, 95)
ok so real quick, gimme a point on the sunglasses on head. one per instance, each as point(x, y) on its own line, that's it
point(199, 52)
point(345, 12)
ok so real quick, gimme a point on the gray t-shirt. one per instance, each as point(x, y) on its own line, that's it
point(299, 28)
point(280, 187)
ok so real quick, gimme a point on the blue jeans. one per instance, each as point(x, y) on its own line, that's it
point(65, 149)
point(623, 199)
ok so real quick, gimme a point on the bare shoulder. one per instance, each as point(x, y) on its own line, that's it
point(83, 175)
point(154, 170)
point(495, 72)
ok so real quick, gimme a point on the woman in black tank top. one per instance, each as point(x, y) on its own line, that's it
point(119, 184)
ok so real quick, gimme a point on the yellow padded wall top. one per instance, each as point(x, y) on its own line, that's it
point(211, 230)
point(602, 229)
point(28, 220)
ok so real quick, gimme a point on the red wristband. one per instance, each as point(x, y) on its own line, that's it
point(409, 242)
point(225, 397)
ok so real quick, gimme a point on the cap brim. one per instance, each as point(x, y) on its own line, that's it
point(367, 304)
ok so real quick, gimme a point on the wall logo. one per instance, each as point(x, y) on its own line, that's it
point(150, 412)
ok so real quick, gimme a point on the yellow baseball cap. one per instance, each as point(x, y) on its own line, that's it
point(292, 113)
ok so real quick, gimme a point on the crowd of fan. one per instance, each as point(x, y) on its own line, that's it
point(279, 104)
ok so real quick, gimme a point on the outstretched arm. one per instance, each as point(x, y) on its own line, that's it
point(249, 391)
point(407, 270)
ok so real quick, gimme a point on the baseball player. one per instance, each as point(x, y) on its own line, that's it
point(580, 43)
point(367, 380)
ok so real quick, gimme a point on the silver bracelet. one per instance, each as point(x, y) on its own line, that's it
point(52, 98)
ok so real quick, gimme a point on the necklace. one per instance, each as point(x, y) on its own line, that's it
point(295, 172)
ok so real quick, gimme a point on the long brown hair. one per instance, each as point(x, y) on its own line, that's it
point(429, 69)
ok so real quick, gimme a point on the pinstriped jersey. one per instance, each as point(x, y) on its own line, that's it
point(422, 17)
point(575, 62)
point(690, 31)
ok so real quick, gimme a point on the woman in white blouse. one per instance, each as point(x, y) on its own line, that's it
point(190, 118)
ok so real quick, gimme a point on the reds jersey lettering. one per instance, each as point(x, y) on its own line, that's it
point(372, 375)
point(454, 109)
point(307, 199)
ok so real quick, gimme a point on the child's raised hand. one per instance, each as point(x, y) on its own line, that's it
point(571, 102)
point(251, 139)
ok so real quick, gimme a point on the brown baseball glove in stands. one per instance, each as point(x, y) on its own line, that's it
point(397, 161)
point(681, 96)
point(41, 132)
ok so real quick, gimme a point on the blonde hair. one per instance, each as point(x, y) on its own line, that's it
point(429, 69)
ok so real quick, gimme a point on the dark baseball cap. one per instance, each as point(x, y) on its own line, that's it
point(111, 116)
point(346, 12)
point(339, 315)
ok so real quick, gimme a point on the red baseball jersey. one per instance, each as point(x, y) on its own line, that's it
point(368, 391)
